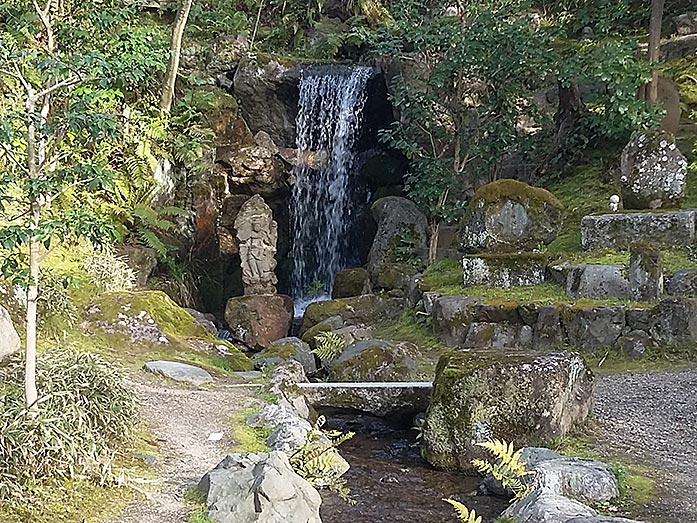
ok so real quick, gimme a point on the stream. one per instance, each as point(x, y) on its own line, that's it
point(390, 482)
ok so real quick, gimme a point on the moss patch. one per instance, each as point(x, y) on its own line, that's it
point(514, 190)
point(248, 439)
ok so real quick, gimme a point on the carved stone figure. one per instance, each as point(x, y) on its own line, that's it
point(614, 203)
point(257, 233)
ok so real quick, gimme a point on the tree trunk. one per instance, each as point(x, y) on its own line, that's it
point(433, 243)
point(30, 392)
point(174, 55)
point(655, 47)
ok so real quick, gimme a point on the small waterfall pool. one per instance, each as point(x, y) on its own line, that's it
point(326, 195)
point(390, 482)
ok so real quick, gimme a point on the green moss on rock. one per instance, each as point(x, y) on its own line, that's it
point(514, 190)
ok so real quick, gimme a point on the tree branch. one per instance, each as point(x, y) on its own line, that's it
point(60, 85)
point(14, 159)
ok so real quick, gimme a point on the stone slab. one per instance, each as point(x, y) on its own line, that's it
point(180, 372)
point(619, 231)
point(507, 270)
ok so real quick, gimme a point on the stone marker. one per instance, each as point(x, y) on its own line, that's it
point(181, 372)
point(646, 272)
point(598, 282)
point(257, 233)
point(653, 172)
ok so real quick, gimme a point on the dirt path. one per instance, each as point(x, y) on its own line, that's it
point(653, 418)
point(181, 421)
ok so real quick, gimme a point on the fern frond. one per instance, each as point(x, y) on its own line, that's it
point(329, 346)
point(152, 240)
point(464, 514)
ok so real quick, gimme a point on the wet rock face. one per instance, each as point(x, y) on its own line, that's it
point(257, 321)
point(510, 216)
point(256, 488)
point(515, 396)
point(653, 172)
point(402, 233)
point(620, 231)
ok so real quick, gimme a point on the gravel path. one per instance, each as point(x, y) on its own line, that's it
point(652, 418)
point(181, 421)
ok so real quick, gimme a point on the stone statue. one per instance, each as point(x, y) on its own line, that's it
point(614, 203)
point(257, 233)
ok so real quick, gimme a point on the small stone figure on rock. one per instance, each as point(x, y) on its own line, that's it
point(257, 233)
point(614, 203)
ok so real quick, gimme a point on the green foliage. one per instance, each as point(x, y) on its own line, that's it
point(463, 513)
point(508, 469)
point(84, 415)
point(404, 250)
point(56, 307)
point(328, 346)
point(109, 272)
point(317, 460)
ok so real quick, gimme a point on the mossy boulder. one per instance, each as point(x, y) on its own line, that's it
point(590, 328)
point(360, 310)
point(150, 323)
point(515, 396)
point(259, 320)
point(376, 360)
point(286, 349)
point(402, 234)
point(351, 282)
point(510, 216)
point(394, 277)
point(452, 316)
point(330, 324)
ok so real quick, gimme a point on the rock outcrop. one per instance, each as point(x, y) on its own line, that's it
point(259, 488)
point(515, 396)
point(9, 339)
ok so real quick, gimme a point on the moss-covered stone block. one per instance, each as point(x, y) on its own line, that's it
point(366, 310)
point(351, 282)
point(504, 270)
point(515, 396)
point(646, 272)
point(510, 216)
point(376, 360)
point(287, 349)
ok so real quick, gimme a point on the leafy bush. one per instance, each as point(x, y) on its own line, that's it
point(85, 411)
point(109, 271)
point(56, 308)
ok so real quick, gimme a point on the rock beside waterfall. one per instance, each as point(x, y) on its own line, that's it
point(287, 349)
point(257, 321)
point(360, 310)
point(376, 360)
point(515, 396)
point(351, 282)
point(510, 216)
point(259, 488)
point(203, 320)
point(653, 172)
point(402, 233)
point(9, 339)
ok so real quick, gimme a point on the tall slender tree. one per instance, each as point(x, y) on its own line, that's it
point(174, 55)
point(655, 47)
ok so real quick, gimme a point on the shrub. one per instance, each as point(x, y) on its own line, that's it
point(109, 271)
point(56, 308)
point(84, 413)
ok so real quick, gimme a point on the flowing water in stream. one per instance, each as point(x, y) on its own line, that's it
point(391, 483)
point(325, 194)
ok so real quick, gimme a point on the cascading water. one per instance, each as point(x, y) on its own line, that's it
point(323, 214)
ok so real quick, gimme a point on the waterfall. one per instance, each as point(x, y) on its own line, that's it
point(328, 126)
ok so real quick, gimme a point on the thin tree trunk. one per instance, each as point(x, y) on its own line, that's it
point(433, 243)
point(174, 56)
point(655, 47)
point(30, 392)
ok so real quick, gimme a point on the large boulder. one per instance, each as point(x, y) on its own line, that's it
point(376, 360)
point(515, 396)
point(598, 282)
point(402, 233)
point(653, 172)
point(142, 260)
point(675, 322)
point(257, 321)
point(9, 339)
point(177, 371)
point(592, 328)
point(286, 349)
point(618, 231)
point(259, 488)
point(510, 216)
point(360, 310)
